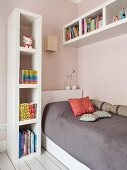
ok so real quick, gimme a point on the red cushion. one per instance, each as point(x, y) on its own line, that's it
point(81, 106)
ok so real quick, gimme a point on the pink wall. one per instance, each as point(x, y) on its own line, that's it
point(102, 68)
point(55, 14)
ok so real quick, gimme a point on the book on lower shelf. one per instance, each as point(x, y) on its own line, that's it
point(27, 111)
point(27, 142)
point(28, 77)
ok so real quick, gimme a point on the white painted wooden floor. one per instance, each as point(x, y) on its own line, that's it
point(45, 162)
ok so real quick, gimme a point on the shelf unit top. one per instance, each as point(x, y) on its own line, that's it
point(105, 32)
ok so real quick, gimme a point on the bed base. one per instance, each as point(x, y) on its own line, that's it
point(62, 155)
point(55, 150)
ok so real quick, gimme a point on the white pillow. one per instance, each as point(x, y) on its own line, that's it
point(94, 116)
point(102, 114)
point(88, 117)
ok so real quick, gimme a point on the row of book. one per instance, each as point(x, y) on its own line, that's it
point(91, 24)
point(27, 142)
point(28, 77)
point(27, 111)
point(94, 23)
point(71, 32)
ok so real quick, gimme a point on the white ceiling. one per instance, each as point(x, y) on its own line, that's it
point(76, 1)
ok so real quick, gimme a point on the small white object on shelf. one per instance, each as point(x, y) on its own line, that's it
point(68, 87)
point(74, 87)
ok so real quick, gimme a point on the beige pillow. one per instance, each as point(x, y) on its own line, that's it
point(101, 105)
point(119, 109)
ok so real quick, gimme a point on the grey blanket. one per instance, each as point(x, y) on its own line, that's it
point(100, 145)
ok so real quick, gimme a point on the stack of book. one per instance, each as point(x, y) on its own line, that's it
point(91, 24)
point(27, 142)
point(71, 32)
point(28, 77)
point(27, 111)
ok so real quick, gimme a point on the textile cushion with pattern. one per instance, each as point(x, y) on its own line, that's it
point(101, 105)
point(95, 116)
point(119, 109)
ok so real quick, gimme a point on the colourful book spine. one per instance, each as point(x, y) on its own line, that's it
point(83, 28)
point(25, 143)
point(32, 142)
point(31, 76)
point(35, 71)
point(35, 142)
point(29, 142)
point(22, 144)
point(20, 136)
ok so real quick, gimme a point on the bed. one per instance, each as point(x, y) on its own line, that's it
point(101, 145)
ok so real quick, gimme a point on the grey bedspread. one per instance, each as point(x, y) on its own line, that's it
point(100, 145)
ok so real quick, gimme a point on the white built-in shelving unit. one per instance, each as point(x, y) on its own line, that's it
point(20, 23)
point(108, 29)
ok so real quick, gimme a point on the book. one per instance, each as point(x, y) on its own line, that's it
point(20, 144)
point(83, 26)
point(35, 142)
point(25, 143)
point(29, 141)
point(93, 24)
point(75, 30)
point(32, 142)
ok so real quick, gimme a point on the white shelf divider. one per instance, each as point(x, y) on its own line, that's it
point(29, 86)
point(26, 122)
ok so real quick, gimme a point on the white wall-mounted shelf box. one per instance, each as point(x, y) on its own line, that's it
point(20, 23)
point(109, 29)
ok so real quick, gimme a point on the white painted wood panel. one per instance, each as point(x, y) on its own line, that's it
point(47, 163)
point(21, 166)
point(34, 164)
point(5, 163)
point(59, 164)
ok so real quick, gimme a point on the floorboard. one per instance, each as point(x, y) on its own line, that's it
point(35, 165)
point(58, 163)
point(5, 163)
point(45, 162)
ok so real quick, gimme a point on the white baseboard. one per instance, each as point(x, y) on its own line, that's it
point(3, 146)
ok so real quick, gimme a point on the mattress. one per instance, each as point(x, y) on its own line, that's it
point(100, 145)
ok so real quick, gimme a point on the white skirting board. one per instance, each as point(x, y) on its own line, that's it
point(3, 146)
point(62, 155)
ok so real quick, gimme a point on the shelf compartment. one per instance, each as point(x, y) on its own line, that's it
point(71, 31)
point(26, 122)
point(28, 27)
point(28, 95)
point(92, 22)
point(114, 9)
point(27, 140)
point(28, 61)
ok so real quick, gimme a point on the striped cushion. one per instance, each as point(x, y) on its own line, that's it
point(101, 105)
point(119, 109)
